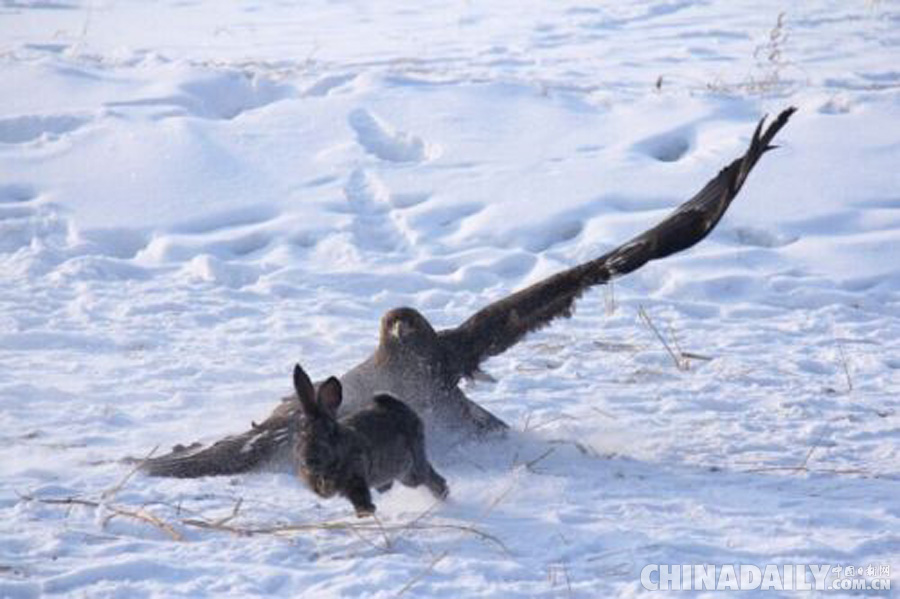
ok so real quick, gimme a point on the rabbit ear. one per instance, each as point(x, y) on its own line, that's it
point(305, 391)
point(330, 395)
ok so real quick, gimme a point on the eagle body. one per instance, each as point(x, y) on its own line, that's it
point(423, 367)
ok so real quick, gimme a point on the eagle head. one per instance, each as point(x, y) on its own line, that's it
point(406, 328)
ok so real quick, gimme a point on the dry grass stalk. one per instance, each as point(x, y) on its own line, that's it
point(418, 577)
point(441, 556)
point(848, 471)
point(529, 465)
point(138, 514)
point(609, 415)
point(550, 421)
point(388, 545)
point(352, 527)
point(770, 56)
point(224, 524)
point(583, 448)
point(557, 571)
point(112, 491)
point(609, 298)
point(770, 64)
point(804, 465)
point(681, 363)
point(845, 364)
point(144, 516)
point(234, 512)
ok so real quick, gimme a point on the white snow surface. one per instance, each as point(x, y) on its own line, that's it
point(194, 195)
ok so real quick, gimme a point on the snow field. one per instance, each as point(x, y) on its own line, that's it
point(194, 196)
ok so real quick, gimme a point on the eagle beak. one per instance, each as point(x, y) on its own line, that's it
point(397, 329)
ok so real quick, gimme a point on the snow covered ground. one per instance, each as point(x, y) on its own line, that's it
point(195, 194)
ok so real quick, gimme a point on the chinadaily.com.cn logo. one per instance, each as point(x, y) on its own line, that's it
point(744, 577)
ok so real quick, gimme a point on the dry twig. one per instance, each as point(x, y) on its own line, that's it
point(112, 491)
point(441, 556)
point(139, 514)
point(681, 363)
point(845, 364)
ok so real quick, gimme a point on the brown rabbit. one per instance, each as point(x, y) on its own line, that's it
point(371, 448)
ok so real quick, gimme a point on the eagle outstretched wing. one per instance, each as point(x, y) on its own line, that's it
point(262, 444)
point(499, 326)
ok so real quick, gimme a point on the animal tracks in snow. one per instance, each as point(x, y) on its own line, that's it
point(215, 95)
point(443, 220)
point(383, 141)
point(12, 193)
point(329, 84)
point(31, 127)
point(24, 218)
point(762, 238)
point(385, 222)
point(370, 200)
point(16, 202)
point(671, 146)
